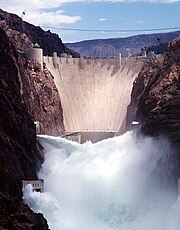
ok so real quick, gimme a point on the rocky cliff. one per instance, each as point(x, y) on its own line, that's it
point(19, 156)
point(37, 87)
point(41, 97)
point(48, 41)
point(155, 101)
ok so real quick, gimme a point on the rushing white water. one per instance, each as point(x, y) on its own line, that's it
point(104, 186)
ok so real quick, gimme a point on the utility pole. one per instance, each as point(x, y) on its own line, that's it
point(23, 14)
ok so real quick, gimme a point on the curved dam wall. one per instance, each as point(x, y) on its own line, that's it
point(94, 93)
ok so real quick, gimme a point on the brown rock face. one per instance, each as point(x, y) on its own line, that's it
point(156, 96)
point(155, 103)
point(19, 40)
point(19, 158)
point(48, 41)
point(41, 97)
point(37, 87)
point(15, 215)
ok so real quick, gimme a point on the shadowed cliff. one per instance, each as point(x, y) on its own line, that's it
point(37, 87)
point(155, 104)
point(155, 100)
point(20, 158)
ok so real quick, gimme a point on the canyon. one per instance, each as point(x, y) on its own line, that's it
point(73, 94)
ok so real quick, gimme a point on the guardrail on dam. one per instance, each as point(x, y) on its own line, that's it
point(94, 93)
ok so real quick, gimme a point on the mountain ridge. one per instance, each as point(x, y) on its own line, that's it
point(99, 48)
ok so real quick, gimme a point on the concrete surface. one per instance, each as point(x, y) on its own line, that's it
point(94, 93)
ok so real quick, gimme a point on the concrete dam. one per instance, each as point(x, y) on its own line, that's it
point(94, 93)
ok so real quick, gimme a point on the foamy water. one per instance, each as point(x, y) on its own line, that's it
point(104, 186)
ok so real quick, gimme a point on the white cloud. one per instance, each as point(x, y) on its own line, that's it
point(45, 12)
point(40, 12)
point(102, 19)
point(34, 4)
point(140, 22)
point(52, 18)
point(129, 1)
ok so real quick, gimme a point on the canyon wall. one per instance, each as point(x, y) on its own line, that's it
point(37, 87)
point(41, 97)
point(155, 104)
point(27, 94)
point(155, 99)
point(20, 158)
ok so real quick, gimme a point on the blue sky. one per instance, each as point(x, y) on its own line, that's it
point(97, 14)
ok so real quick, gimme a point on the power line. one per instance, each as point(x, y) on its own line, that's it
point(112, 31)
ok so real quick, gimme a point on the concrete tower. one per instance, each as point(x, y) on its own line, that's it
point(55, 59)
point(36, 54)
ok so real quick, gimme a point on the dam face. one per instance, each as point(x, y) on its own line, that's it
point(94, 93)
